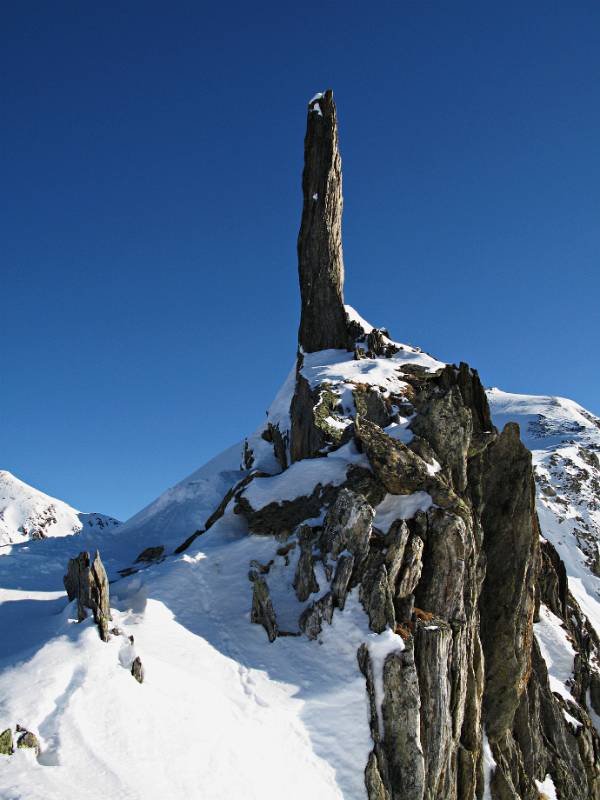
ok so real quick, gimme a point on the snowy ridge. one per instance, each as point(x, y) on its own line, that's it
point(26, 513)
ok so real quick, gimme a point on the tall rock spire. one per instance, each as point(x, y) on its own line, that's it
point(320, 260)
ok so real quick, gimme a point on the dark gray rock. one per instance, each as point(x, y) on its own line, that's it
point(312, 618)
point(263, 612)
point(433, 658)
point(411, 568)
point(311, 433)
point(371, 404)
point(320, 260)
point(378, 602)
point(305, 581)
point(447, 426)
point(348, 525)
point(151, 554)
point(511, 545)
point(341, 579)
point(402, 725)
point(137, 670)
point(87, 583)
point(279, 441)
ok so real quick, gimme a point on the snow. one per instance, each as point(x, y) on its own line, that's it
point(489, 765)
point(354, 316)
point(547, 788)
point(213, 683)
point(400, 430)
point(27, 513)
point(571, 720)
point(380, 645)
point(400, 506)
point(317, 108)
point(300, 479)
point(339, 366)
point(590, 710)
point(317, 96)
point(557, 651)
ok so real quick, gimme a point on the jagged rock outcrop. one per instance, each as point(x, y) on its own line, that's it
point(262, 607)
point(305, 581)
point(86, 581)
point(435, 531)
point(511, 546)
point(320, 259)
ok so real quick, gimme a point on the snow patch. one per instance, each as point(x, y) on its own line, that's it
point(400, 506)
point(380, 645)
point(547, 788)
point(557, 651)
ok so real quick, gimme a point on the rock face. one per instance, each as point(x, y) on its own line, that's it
point(320, 260)
point(432, 525)
point(86, 581)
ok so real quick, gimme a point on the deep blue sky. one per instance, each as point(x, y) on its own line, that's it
point(151, 156)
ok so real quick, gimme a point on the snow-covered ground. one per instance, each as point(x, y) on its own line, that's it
point(222, 713)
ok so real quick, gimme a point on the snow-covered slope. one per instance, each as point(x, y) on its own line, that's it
point(214, 687)
point(26, 513)
point(564, 440)
point(213, 684)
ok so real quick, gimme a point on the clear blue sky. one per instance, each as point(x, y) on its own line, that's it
point(151, 156)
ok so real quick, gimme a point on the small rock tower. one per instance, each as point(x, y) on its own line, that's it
point(320, 259)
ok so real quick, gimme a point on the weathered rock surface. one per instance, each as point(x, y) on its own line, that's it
point(137, 670)
point(312, 618)
point(320, 259)
point(305, 581)
point(6, 743)
point(28, 740)
point(262, 608)
point(151, 554)
point(511, 545)
point(461, 583)
point(86, 581)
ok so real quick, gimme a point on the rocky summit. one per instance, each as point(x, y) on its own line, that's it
point(388, 591)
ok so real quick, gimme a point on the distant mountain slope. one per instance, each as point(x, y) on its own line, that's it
point(26, 513)
point(564, 439)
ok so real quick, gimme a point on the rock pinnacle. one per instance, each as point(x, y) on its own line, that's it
point(320, 259)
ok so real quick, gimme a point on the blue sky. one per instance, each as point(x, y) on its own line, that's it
point(151, 156)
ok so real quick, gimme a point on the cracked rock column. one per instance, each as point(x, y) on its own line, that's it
point(320, 260)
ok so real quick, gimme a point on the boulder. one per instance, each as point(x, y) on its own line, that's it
point(6, 743)
point(137, 670)
point(28, 740)
point(86, 581)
